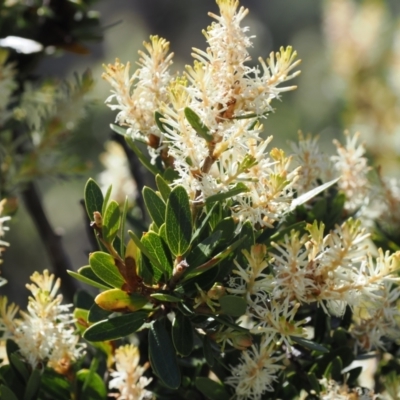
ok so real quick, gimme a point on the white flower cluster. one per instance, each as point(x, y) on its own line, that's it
point(127, 378)
point(44, 333)
point(226, 97)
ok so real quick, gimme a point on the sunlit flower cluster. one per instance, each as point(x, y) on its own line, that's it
point(45, 332)
point(128, 377)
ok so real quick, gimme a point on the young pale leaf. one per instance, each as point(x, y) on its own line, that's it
point(165, 297)
point(115, 328)
point(104, 267)
point(233, 305)
point(310, 194)
point(182, 335)
point(93, 198)
point(211, 389)
point(155, 206)
point(33, 385)
point(198, 125)
point(178, 221)
point(118, 129)
point(163, 357)
point(163, 187)
point(237, 189)
point(118, 300)
point(111, 221)
point(86, 275)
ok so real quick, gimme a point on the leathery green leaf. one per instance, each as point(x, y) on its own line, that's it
point(155, 205)
point(104, 267)
point(233, 305)
point(165, 297)
point(86, 275)
point(178, 221)
point(163, 356)
point(198, 125)
point(182, 334)
point(163, 187)
point(115, 328)
point(93, 198)
point(111, 221)
point(211, 389)
point(155, 246)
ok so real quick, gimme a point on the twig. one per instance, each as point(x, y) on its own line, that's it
point(52, 241)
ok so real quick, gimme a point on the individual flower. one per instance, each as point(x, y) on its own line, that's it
point(137, 97)
point(352, 167)
point(44, 333)
point(128, 377)
point(257, 370)
point(117, 173)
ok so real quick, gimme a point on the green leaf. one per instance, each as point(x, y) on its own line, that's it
point(118, 129)
point(227, 227)
point(55, 385)
point(106, 199)
point(94, 387)
point(227, 321)
point(157, 117)
point(122, 228)
point(204, 223)
point(352, 376)
point(97, 314)
point(313, 382)
point(86, 275)
point(155, 206)
point(7, 394)
point(207, 351)
point(233, 305)
point(162, 356)
point(170, 175)
point(156, 254)
point(203, 251)
point(237, 189)
point(163, 187)
point(111, 221)
point(214, 261)
point(143, 248)
point(178, 221)
point(163, 233)
point(93, 198)
point(309, 344)
point(115, 328)
point(19, 366)
point(211, 389)
point(143, 159)
point(182, 335)
point(198, 125)
point(104, 267)
point(165, 297)
point(33, 385)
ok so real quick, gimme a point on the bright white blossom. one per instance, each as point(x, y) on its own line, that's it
point(332, 390)
point(257, 370)
point(352, 167)
point(128, 377)
point(44, 333)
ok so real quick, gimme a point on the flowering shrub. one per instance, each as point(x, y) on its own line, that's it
point(256, 277)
